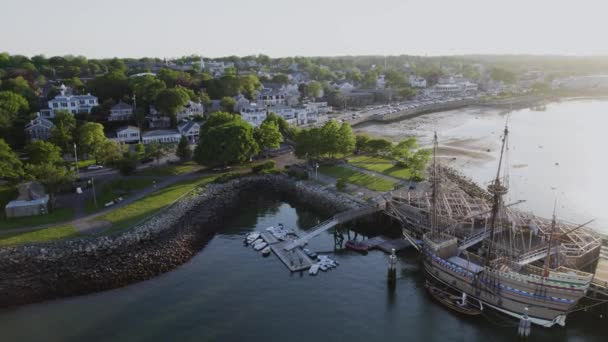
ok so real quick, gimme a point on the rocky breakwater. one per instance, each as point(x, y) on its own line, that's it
point(36, 272)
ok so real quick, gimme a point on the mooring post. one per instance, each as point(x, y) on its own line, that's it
point(525, 325)
point(392, 268)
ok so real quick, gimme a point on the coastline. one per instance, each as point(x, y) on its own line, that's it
point(38, 272)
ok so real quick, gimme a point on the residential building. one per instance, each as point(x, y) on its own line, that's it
point(120, 112)
point(157, 120)
point(74, 104)
point(128, 134)
point(417, 81)
point(253, 114)
point(161, 136)
point(190, 129)
point(380, 82)
point(39, 128)
point(32, 200)
point(241, 102)
point(288, 113)
point(320, 108)
point(271, 97)
point(190, 110)
point(345, 87)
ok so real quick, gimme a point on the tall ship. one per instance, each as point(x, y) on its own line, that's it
point(480, 247)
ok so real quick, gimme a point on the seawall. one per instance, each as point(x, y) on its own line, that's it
point(37, 272)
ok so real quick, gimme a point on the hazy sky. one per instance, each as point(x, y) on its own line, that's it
point(135, 28)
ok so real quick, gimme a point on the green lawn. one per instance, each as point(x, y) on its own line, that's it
point(42, 235)
point(58, 215)
point(126, 216)
point(169, 170)
point(381, 165)
point(83, 164)
point(358, 178)
point(124, 188)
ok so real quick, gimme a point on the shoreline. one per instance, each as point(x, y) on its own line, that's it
point(38, 272)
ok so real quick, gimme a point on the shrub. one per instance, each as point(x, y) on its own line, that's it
point(301, 175)
point(269, 164)
point(272, 171)
point(401, 163)
point(341, 184)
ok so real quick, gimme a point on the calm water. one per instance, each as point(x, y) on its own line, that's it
point(558, 153)
point(228, 292)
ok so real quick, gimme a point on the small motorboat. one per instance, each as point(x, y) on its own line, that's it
point(255, 242)
point(461, 304)
point(356, 246)
point(314, 269)
point(252, 237)
point(259, 246)
point(310, 253)
point(266, 251)
point(323, 267)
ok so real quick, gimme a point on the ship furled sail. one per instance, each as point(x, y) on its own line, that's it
point(510, 261)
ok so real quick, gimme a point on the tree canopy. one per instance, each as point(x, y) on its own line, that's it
point(11, 167)
point(41, 152)
point(329, 140)
point(225, 139)
point(268, 135)
point(91, 139)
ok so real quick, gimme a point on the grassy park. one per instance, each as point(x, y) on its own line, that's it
point(126, 216)
point(381, 165)
point(110, 190)
point(169, 170)
point(41, 235)
point(358, 178)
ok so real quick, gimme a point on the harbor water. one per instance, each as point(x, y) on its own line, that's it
point(229, 292)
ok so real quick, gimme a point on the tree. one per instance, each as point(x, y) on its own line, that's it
point(406, 92)
point(228, 103)
point(330, 138)
point(379, 146)
point(52, 176)
point(146, 89)
point(109, 153)
point(205, 99)
point(171, 101)
point(361, 141)
point(308, 143)
point(11, 106)
point(268, 135)
point(114, 85)
point(128, 164)
point(42, 152)
point(19, 85)
point(280, 79)
point(395, 79)
point(248, 85)
point(225, 139)
point(10, 165)
point(140, 150)
point(62, 133)
point(91, 139)
point(156, 151)
point(499, 74)
point(313, 89)
point(403, 150)
point(346, 139)
point(183, 151)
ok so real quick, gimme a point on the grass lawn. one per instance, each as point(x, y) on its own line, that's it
point(169, 170)
point(108, 191)
point(58, 215)
point(83, 164)
point(42, 235)
point(126, 216)
point(381, 165)
point(358, 178)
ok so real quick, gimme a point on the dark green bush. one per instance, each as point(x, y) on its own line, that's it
point(269, 164)
point(341, 184)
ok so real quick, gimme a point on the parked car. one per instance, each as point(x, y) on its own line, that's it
point(94, 167)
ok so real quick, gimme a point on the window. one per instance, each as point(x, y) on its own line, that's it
point(73, 104)
point(55, 105)
point(64, 104)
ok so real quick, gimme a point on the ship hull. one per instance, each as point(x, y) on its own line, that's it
point(504, 295)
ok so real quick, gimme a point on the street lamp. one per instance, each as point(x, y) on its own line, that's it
point(316, 171)
point(76, 158)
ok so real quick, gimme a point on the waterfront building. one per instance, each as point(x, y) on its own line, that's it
point(271, 97)
point(39, 128)
point(417, 81)
point(190, 129)
point(157, 120)
point(253, 114)
point(190, 110)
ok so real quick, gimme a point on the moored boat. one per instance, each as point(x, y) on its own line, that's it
point(266, 251)
point(356, 246)
point(460, 304)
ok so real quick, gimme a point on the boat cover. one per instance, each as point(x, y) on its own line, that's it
point(466, 264)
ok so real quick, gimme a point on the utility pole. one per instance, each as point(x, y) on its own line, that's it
point(76, 158)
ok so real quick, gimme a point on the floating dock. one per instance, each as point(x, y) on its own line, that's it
point(385, 244)
point(295, 259)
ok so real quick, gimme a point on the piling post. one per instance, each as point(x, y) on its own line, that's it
point(525, 325)
point(392, 269)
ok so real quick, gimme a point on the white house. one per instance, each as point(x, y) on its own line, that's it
point(189, 129)
point(380, 82)
point(190, 110)
point(417, 81)
point(128, 134)
point(241, 102)
point(161, 136)
point(345, 87)
point(120, 112)
point(39, 128)
point(271, 97)
point(74, 104)
point(253, 114)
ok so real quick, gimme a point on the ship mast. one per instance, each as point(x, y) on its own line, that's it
point(548, 257)
point(435, 182)
point(498, 189)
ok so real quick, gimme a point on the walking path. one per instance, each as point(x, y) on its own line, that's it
point(84, 223)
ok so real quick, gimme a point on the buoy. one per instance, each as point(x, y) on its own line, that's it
point(525, 325)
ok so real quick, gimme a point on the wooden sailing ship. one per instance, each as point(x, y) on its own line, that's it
point(512, 262)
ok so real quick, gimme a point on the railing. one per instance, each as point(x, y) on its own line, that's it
point(533, 256)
